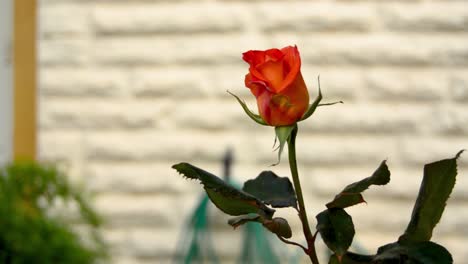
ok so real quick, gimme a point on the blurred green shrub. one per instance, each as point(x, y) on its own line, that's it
point(35, 226)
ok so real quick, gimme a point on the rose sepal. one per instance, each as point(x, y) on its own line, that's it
point(252, 115)
point(282, 135)
point(314, 105)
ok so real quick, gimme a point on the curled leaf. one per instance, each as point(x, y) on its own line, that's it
point(279, 226)
point(240, 220)
point(351, 194)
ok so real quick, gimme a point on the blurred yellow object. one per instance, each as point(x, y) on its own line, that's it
point(24, 39)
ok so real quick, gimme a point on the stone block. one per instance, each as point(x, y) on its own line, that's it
point(166, 18)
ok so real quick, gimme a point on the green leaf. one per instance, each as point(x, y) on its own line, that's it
point(337, 229)
point(282, 134)
point(351, 194)
point(277, 225)
point(437, 184)
point(272, 189)
point(426, 252)
point(240, 220)
point(343, 200)
point(430, 253)
point(314, 105)
point(391, 253)
point(253, 116)
point(227, 198)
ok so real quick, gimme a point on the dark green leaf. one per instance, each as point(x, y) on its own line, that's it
point(337, 229)
point(252, 115)
point(271, 189)
point(343, 200)
point(391, 253)
point(429, 253)
point(426, 252)
point(282, 135)
point(436, 186)
point(240, 220)
point(227, 198)
point(351, 194)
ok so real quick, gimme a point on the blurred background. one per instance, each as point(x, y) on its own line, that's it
point(125, 89)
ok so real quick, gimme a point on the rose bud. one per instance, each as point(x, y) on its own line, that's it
point(276, 81)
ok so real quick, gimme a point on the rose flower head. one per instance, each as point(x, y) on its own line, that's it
point(276, 81)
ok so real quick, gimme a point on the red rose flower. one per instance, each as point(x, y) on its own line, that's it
point(276, 81)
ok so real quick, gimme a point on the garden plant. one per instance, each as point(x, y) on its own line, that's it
point(34, 228)
point(275, 79)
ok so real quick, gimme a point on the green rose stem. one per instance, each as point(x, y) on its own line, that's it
point(297, 186)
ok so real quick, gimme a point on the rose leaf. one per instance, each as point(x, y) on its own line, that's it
point(437, 184)
point(336, 229)
point(272, 189)
point(227, 198)
point(426, 252)
point(351, 194)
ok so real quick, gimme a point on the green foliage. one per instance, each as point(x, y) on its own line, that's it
point(235, 202)
point(227, 198)
point(426, 252)
point(437, 184)
point(272, 189)
point(336, 229)
point(29, 233)
point(351, 194)
point(413, 247)
point(418, 253)
point(334, 224)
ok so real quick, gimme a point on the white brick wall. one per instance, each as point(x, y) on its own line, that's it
point(128, 88)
